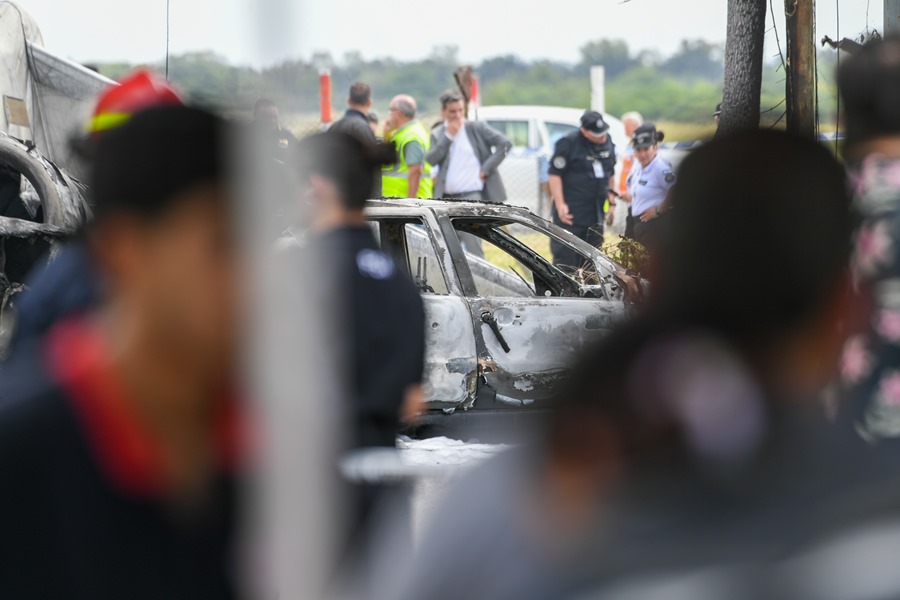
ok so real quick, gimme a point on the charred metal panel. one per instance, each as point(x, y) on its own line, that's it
point(450, 365)
point(542, 336)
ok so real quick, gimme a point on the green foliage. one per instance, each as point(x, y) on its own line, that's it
point(684, 87)
point(658, 95)
point(628, 253)
point(614, 55)
point(542, 82)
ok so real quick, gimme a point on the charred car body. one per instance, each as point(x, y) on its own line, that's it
point(40, 205)
point(500, 331)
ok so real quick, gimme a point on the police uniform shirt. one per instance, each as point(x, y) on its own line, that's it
point(383, 319)
point(585, 169)
point(650, 185)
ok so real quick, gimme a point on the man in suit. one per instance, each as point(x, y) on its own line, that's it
point(468, 154)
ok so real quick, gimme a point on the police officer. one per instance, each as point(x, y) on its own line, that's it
point(379, 326)
point(650, 185)
point(581, 172)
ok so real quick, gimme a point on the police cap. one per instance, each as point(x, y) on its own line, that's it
point(593, 122)
point(646, 135)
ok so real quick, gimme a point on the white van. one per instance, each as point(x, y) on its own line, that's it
point(534, 130)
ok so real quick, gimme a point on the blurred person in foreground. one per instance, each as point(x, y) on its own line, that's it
point(870, 87)
point(689, 455)
point(410, 175)
point(620, 219)
point(118, 437)
point(467, 154)
point(267, 123)
point(69, 283)
point(650, 186)
point(581, 174)
point(378, 319)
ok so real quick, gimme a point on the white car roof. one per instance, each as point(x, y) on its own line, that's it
point(560, 114)
point(554, 114)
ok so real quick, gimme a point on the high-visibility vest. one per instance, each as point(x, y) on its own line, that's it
point(395, 178)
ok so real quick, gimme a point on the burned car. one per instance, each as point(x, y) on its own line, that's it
point(40, 205)
point(501, 330)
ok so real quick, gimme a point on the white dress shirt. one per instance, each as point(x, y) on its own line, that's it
point(463, 166)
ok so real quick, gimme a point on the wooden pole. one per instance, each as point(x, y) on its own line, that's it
point(891, 16)
point(801, 67)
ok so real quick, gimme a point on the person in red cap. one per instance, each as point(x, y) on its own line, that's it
point(136, 92)
point(69, 284)
point(119, 437)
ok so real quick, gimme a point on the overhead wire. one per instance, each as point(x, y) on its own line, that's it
point(783, 66)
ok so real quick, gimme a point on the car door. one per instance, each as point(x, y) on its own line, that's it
point(528, 335)
point(451, 361)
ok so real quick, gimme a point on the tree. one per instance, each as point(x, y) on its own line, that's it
point(695, 58)
point(613, 55)
point(743, 65)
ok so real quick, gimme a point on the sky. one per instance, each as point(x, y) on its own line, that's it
point(263, 32)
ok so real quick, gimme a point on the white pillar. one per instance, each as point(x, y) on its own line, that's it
point(598, 88)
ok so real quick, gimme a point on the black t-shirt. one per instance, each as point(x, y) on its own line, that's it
point(356, 124)
point(80, 518)
point(384, 328)
point(585, 169)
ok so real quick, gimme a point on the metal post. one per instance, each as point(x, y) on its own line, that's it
point(325, 96)
point(801, 66)
point(598, 89)
point(891, 16)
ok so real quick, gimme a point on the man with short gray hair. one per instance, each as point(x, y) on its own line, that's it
point(410, 176)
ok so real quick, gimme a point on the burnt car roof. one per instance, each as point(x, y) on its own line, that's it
point(450, 205)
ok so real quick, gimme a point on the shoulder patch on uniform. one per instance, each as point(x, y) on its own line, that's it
point(559, 162)
point(375, 264)
point(669, 176)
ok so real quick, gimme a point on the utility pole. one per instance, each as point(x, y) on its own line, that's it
point(743, 65)
point(891, 16)
point(801, 67)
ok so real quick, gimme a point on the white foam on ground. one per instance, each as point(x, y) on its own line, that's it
point(445, 452)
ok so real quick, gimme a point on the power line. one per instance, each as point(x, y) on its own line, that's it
point(783, 65)
point(868, 3)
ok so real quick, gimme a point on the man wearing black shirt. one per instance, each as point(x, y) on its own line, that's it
point(380, 311)
point(356, 122)
point(118, 439)
point(377, 316)
point(266, 120)
point(581, 172)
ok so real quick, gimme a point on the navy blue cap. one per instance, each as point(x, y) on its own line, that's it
point(593, 121)
point(646, 135)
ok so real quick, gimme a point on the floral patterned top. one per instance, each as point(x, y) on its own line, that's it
point(871, 363)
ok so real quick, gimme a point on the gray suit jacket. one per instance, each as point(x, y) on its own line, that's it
point(490, 147)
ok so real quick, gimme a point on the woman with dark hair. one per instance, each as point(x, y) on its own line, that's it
point(649, 185)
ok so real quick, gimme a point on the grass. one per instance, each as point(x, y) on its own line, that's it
point(686, 132)
point(541, 244)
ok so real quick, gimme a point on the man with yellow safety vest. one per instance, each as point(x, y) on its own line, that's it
point(410, 176)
